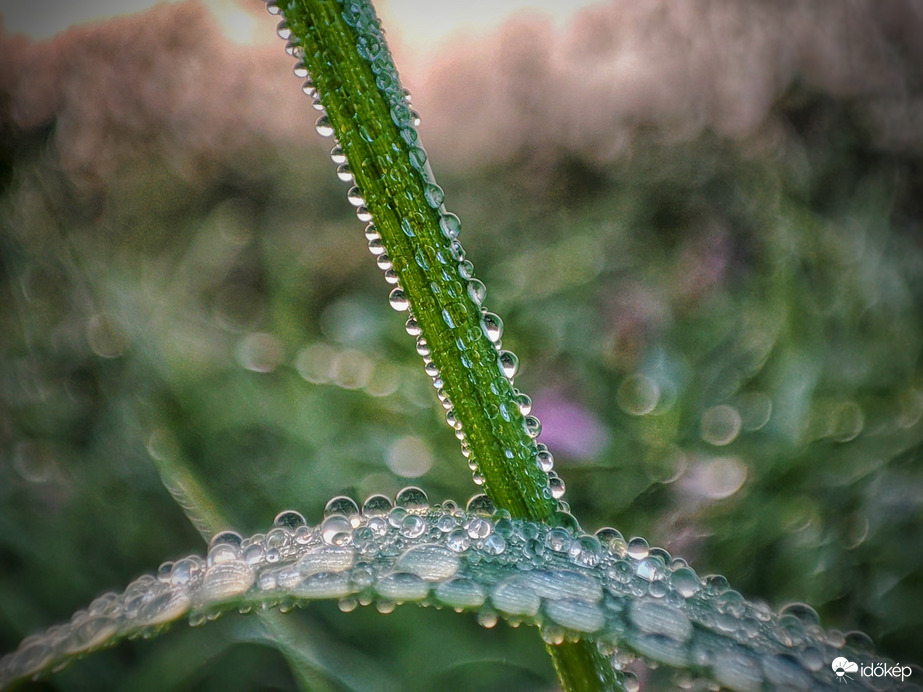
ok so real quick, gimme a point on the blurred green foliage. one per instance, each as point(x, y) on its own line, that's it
point(723, 341)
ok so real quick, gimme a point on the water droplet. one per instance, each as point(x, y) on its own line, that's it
point(576, 615)
point(477, 291)
point(323, 126)
point(413, 526)
point(289, 519)
point(230, 538)
point(337, 155)
point(417, 158)
point(544, 460)
point(805, 613)
point(412, 499)
point(513, 597)
point(461, 593)
point(480, 504)
point(558, 540)
point(784, 670)
point(492, 326)
point(685, 581)
point(846, 421)
point(398, 300)
point(524, 403)
point(283, 30)
point(412, 326)
point(509, 364)
point(533, 426)
point(402, 586)
point(638, 395)
point(556, 486)
point(341, 504)
point(326, 559)
point(737, 670)
point(323, 585)
point(494, 544)
point(434, 195)
point(336, 530)
point(377, 506)
point(344, 173)
point(363, 214)
point(429, 561)
point(656, 617)
point(457, 540)
point(227, 580)
point(450, 225)
point(354, 195)
point(721, 425)
point(638, 548)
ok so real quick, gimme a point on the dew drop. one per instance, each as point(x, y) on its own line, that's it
point(509, 364)
point(283, 30)
point(402, 586)
point(413, 526)
point(533, 426)
point(434, 195)
point(336, 530)
point(337, 155)
point(655, 617)
point(323, 126)
point(354, 195)
point(412, 327)
point(557, 487)
point(412, 499)
point(398, 300)
point(576, 615)
point(544, 460)
point(480, 504)
point(638, 395)
point(685, 581)
point(513, 597)
point(638, 548)
point(721, 425)
point(457, 540)
point(430, 562)
point(344, 173)
point(451, 227)
point(377, 506)
point(492, 326)
point(341, 504)
point(227, 580)
point(524, 403)
point(477, 291)
point(417, 158)
point(461, 593)
point(289, 519)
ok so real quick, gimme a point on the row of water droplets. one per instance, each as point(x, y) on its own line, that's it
point(622, 594)
point(373, 48)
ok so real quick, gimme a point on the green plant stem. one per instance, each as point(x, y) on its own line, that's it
point(366, 109)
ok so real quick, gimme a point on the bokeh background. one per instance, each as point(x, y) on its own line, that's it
point(700, 223)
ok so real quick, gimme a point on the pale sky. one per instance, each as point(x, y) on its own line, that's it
point(426, 23)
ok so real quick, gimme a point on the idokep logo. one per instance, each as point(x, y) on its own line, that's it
point(842, 667)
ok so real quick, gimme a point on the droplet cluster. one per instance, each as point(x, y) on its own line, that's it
point(631, 599)
point(372, 47)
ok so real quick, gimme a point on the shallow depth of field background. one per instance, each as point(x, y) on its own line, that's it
point(700, 223)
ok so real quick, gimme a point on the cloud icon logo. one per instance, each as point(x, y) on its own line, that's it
point(842, 666)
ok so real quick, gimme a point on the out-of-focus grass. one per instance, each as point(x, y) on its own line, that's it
point(722, 340)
